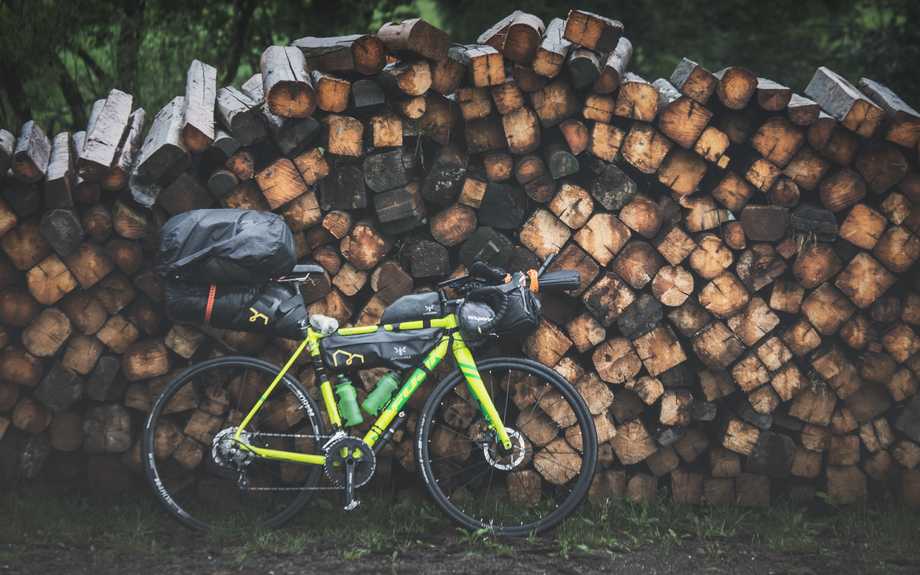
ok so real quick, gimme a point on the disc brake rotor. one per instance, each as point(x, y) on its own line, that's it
point(505, 462)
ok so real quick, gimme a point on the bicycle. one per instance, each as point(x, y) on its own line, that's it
point(494, 440)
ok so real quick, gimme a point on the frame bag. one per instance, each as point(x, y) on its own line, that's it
point(394, 349)
point(226, 246)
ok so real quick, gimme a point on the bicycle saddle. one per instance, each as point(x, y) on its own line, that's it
point(324, 324)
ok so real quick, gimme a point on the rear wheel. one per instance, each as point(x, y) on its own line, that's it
point(547, 473)
point(196, 468)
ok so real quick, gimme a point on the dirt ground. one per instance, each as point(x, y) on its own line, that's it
point(41, 535)
point(444, 556)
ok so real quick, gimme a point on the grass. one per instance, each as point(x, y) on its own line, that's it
point(138, 527)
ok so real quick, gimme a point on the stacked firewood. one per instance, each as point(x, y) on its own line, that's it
point(746, 327)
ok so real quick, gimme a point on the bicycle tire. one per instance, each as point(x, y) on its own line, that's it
point(589, 448)
point(242, 362)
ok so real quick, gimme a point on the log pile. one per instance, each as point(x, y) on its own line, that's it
point(747, 324)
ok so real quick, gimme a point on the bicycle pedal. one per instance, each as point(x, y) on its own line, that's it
point(352, 505)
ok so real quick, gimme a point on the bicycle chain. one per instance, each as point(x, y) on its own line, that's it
point(253, 434)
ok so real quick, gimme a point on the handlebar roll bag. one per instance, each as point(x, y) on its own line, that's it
point(521, 317)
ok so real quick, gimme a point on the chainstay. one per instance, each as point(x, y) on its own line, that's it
point(254, 434)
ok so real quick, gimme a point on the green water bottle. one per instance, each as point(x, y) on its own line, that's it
point(378, 399)
point(348, 402)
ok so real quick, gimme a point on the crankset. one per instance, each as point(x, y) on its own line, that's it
point(350, 463)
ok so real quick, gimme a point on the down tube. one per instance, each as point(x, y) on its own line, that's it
point(467, 365)
point(416, 378)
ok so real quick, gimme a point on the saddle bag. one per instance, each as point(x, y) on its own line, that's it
point(227, 246)
point(397, 350)
point(272, 308)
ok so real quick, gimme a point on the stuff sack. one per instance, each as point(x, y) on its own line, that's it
point(394, 349)
point(225, 246)
point(272, 308)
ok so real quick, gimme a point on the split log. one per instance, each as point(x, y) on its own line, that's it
point(736, 86)
point(802, 111)
point(287, 86)
point(603, 236)
point(606, 141)
point(682, 119)
point(645, 148)
point(681, 171)
point(592, 31)
point(517, 36)
point(903, 126)
point(443, 181)
point(280, 183)
point(31, 154)
point(694, 81)
point(367, 95)
point(584, 67)
point(415, 36)
point(344, 188)
point(614, 67)
point(362, 53)
point(409, 78)
point(7, 145)
point(844, 102)
point(200, 97)
point(554, 103)
point(163, 155)
point(332, 93)
point(551, 54)
point(637, 99)
point(484, 64)
point(522, 131)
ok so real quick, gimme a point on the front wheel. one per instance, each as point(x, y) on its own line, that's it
point(549, 469)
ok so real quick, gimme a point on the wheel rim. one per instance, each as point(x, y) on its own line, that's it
point(199, 480)
point(538, 492)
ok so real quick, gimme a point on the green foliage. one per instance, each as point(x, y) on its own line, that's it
point(46, 44)
point(58, 57)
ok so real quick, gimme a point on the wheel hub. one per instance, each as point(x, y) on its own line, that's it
point(226, 451)
point(340, 453)
point(492, 451)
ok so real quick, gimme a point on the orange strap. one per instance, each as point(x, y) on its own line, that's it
point(212, 293)
point(534, 281)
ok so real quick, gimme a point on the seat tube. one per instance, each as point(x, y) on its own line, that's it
point(467, 364)
point(325, 384)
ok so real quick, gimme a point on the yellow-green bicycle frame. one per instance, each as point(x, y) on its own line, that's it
point(451, 341)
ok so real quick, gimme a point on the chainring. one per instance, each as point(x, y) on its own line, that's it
point(338, 452)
